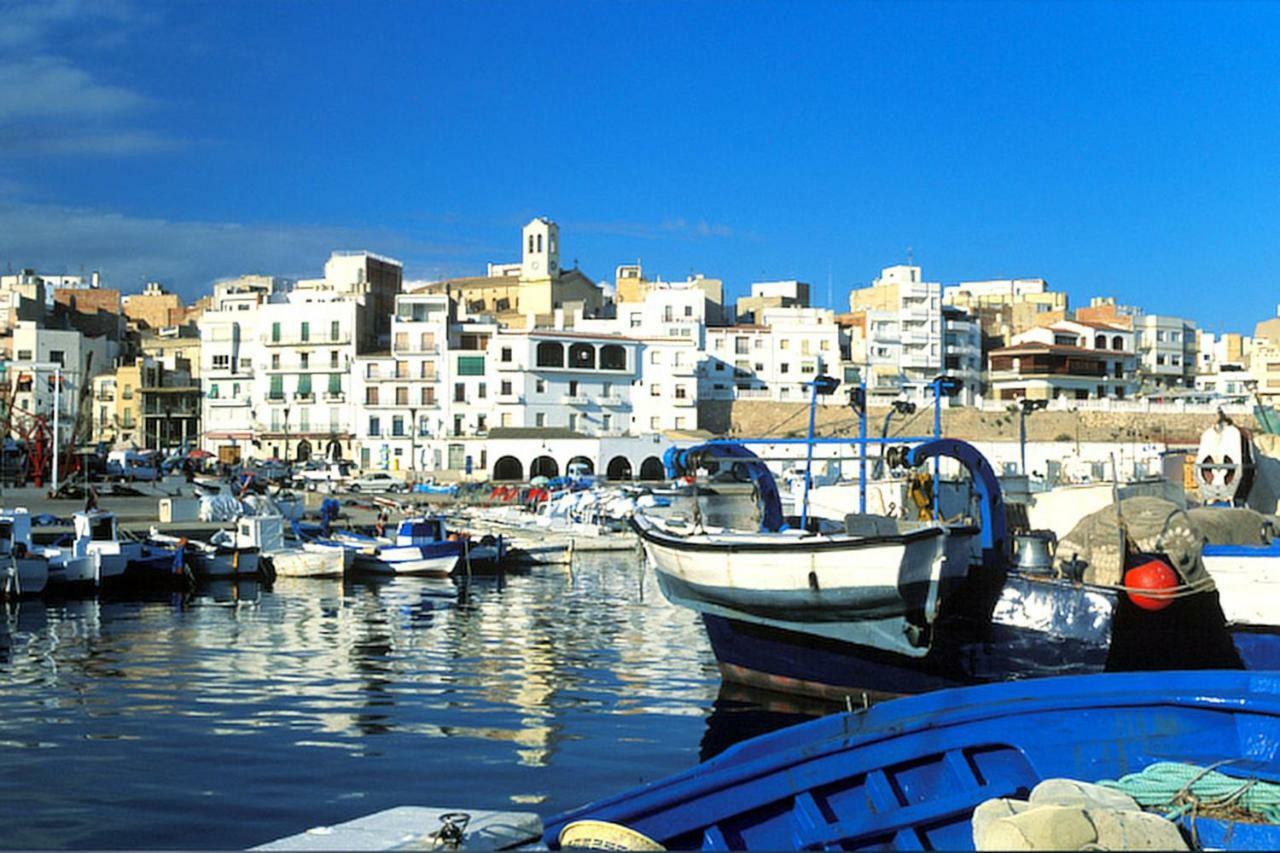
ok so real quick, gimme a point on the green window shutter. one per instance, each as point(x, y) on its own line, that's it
point(335, 383)
point(304, 383)
point(275, 333)
point(277, 387)
point(471, 365)
point(306, 331)
point(333, 330)
point(213, 391)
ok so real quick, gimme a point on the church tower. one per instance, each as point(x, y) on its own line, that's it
point(541, 250)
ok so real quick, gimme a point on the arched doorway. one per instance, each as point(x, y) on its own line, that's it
point(619, 468)
point(582, 460)
point(544, 466)
point(508, 468)
point(333, 450)
point(304, 450)
point(651, 469)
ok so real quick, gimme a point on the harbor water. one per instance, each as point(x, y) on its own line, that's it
point(240, 714)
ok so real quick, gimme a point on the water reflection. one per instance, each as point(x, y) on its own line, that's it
point(146, 723)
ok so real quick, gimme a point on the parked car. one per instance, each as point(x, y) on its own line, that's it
point(377, 481)
point(273, 471)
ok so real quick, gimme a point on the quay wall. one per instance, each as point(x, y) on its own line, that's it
point(761, 418)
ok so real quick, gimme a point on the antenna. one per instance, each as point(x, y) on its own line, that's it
point(831, 301)
point(910, 257)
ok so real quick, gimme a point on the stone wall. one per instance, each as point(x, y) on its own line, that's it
point(766, 418)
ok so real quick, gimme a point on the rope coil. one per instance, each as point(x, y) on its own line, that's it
point(1182, 788)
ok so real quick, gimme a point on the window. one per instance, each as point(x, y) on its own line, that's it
point(457, 424)
point(213, 391)
point(58, 356)
point(758, 343)
point(635, 321)
point(804, 346)
point(275, 361)
point(24, 355)
point(335, 331)
point(371, 370)
point(540, 386)
point(428, 396)
point(740, 346)
point(235, 390)
point(333, 359)
point(428, 341)
point(471, 365)
point(824, 345)
point(784, 344)
point(613, 357)
point(482, 424)
point(606, 389)
point(808, 367)
point(397, 426)
point(573, 387)
point(482, 390)
point(275, 420)
point(667, 314)
point(375, 426)
point(221, 362)
point(655, 357)
point(688, 310)
point(306, 331)
point(680, 393)
point(275, 333)
point(784, 367)
point(304, 360)
point(402, 370)
point(506, 355)
point(573, 420)
point(505, 388)
point(335, 384)
point(127, 394)
point(655, 390)
point(401, 341)
point(304, 419)
point(655, 423)
point(459, 392)
point(402, 396)
point(679, 423)
point(582, 357)
point(540, 419)
point(371, 396)
point(549, 354)
point(245, 364)
point(606, 422)
point(277, 387)
point(304, 385)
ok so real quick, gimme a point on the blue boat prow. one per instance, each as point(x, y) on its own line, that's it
point(907, 774)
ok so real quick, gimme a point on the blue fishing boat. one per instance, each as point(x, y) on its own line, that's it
point(908, 774)
point(1248, 582)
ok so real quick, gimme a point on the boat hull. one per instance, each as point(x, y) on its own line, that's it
point(908, 774)
point(223, 563)
point(23, 576)
point(309, 562)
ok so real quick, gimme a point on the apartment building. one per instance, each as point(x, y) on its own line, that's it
point(1069, 359)
point(775, 360)
point(1166, 352)
point(904, 333)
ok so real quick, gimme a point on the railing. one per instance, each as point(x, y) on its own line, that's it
point(575, 400)
point(1142, 406)
point(320, 340)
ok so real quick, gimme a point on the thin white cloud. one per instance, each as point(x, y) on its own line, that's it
point(51, 103)
point(190, 255)
point(51, 87)
point(667, 228)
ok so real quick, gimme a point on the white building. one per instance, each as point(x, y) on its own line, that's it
point(1166, 351)
point(775, 360)
point(962, 353)
point(904, 338)
point(35, 351)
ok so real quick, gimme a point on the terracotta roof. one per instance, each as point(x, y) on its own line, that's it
point(1097, 324)
point(1036, 346)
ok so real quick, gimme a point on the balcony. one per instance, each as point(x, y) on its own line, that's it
point(308, 397)
point(223, 402)
point(509, 366)
point(334, 396)
point(684, 401)
point(416, 349)
point(613, 401)
point(310, 341)
point(684, 370)
point(575, 400)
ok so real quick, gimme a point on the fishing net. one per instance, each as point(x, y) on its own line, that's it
point(1153, 525)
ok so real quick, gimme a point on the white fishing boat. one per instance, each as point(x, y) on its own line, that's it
point(65, 570)
point(22, 572)
point(144, 563)
point(311, 560)
point(227, 554)
point(420, 546)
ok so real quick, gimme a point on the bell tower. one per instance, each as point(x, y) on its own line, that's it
point(541, 250)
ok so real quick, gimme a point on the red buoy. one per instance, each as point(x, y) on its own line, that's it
point(1156, 576)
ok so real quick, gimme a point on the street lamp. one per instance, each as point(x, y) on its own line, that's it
point(413, 440)
point(286, 435)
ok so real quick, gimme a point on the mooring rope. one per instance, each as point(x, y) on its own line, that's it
point(1181, 788)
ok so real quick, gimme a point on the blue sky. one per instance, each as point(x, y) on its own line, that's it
point(1126, 149)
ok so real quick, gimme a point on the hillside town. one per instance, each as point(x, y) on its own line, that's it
point(512, 373)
